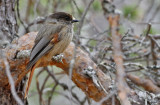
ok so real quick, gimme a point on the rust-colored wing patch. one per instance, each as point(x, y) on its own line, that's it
point(55, 39)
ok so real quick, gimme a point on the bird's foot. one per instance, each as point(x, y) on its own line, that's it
point(58, 58)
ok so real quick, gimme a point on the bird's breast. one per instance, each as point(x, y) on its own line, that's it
point(65, 37)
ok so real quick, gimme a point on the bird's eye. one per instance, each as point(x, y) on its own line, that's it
point(67, 18)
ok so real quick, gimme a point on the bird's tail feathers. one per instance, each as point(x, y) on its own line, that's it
point(29, 80)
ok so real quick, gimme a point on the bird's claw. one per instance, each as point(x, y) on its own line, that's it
point(58, 58)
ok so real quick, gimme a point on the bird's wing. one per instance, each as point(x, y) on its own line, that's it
point(44, 42)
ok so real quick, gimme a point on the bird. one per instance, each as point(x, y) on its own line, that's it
point(52, 39)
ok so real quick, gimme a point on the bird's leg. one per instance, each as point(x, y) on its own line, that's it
point(58, 58)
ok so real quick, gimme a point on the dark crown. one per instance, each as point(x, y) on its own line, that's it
point(61, 16)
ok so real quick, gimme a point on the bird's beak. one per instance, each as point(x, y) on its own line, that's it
point(73, 21)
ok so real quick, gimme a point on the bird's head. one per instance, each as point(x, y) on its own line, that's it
point(61, 17)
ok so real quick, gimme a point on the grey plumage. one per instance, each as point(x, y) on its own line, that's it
point(42, 41)
point(52, 39)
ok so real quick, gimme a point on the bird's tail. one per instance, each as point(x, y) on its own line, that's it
point(29, 80)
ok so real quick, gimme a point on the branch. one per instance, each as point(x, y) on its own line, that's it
point(18, 57)
point(13, 90)
point(145, 83)
point(118, 58)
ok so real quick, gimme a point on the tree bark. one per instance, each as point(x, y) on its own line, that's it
point(18, 58)
point(9, 27)
point(8, 31)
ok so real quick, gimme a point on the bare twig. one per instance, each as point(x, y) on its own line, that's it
point(106, 98)
point(118, 58)
point(152, 37)
point(145, 83)
point(74, 2)
point(11, 81)
point(83, 17)
point(21, 21)
point(38, 89)
point(148, 29)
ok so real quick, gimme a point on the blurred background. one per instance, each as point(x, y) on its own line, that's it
point(93, 36)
